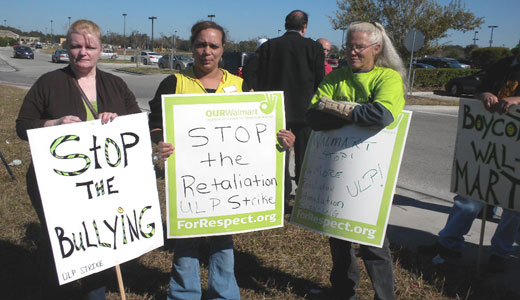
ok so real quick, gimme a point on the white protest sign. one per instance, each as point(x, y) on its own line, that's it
point(486, 165)
point(226, 173)
point(99, 193)
point(348, 181)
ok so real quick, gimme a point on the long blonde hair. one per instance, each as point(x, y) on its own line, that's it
point(388, 56)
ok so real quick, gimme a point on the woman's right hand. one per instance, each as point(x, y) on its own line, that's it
point(165, 150)
point(62, 120)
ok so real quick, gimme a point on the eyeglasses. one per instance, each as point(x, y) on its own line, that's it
point(358, 49)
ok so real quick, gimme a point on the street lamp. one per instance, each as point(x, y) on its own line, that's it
point(343, 37)
point(491, 40)
point(124, 33)
point(152, 18)
point(279, 32)
point(5, 22)
point(211, 17)
point(69, 22)
point(52, 40)
point(475, 38)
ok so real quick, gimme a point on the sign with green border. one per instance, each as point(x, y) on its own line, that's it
point(348, 181)
point(226, 174)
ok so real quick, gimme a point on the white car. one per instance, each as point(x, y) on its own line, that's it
point(108, 54)
point(147, 57)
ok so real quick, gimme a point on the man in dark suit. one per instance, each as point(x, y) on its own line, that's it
point(292, 64)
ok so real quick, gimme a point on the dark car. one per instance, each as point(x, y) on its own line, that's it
point(422, 66)
point(233, 61)
point(441, 62)
point(23, 52)
point(465, 85)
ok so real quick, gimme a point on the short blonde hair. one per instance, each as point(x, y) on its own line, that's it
point(84, 25)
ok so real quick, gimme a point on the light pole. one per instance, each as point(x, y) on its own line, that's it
point(491, 40)
point(279, 32)
point(52, 31)
point(475, 38)
point(5, 22)
point(152, 18)
point(69, 22)
point(343, 37)
point(211, 17)
point(124, 33)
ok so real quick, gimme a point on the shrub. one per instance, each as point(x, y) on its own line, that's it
point(438, 78)
point(6, 41)
point(484, 57)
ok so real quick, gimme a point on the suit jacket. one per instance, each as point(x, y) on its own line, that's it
point(292, 64)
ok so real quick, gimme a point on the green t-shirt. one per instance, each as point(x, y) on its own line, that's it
point(381, 85)
point(90, 116)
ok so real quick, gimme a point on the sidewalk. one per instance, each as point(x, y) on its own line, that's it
point(416, 219)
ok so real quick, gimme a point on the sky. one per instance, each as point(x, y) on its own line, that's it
point(244, 19)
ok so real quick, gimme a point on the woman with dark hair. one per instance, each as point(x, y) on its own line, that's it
point(207, 45)
point(374, 81)
point(76, 93)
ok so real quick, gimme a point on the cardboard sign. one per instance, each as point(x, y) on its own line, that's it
point(99, 193)
point(486, 165)
point(226, 174)
point(348, 181)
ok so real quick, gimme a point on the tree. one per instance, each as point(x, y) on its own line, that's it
point(398, 16)
point(484, 57)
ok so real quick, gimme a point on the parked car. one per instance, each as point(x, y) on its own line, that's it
point(60, 55)
point(179, 61)
point(108, 54)
point(441, 62)
point(465, 85)
point(147, 57)
point(23, 52)
point(38, 45)
point(233, 61)
point(422, 66)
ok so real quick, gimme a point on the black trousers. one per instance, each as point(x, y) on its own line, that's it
point(302, 133)
point(344, 276)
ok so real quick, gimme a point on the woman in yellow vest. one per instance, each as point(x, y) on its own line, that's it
point(207, 43)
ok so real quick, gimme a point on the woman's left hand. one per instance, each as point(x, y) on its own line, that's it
point(286, 137)
point(107, 117)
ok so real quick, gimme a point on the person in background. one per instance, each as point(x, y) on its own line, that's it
point(292, 64)
point(326, 49)
point(76, 93)
point(207, 45)
point(249, 69)
point(374, 80)
point(499, 92)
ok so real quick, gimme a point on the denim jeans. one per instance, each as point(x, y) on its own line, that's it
point(462, 215)
point(344, 276)
point(185, 275)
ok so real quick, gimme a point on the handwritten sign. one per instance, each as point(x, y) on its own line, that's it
point(226, 173)
point(486, 165)
point(99, 194)
point(348, 181)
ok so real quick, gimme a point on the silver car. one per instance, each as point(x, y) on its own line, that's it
point(60, 55)
point(178, 61)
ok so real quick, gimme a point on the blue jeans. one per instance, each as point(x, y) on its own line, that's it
point(185, 275)
point(344, 275)
point(462, 215)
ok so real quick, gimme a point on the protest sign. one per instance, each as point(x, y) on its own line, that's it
point(226, 173)
point(486, 164)
point(99, 193)
point(348, 181)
